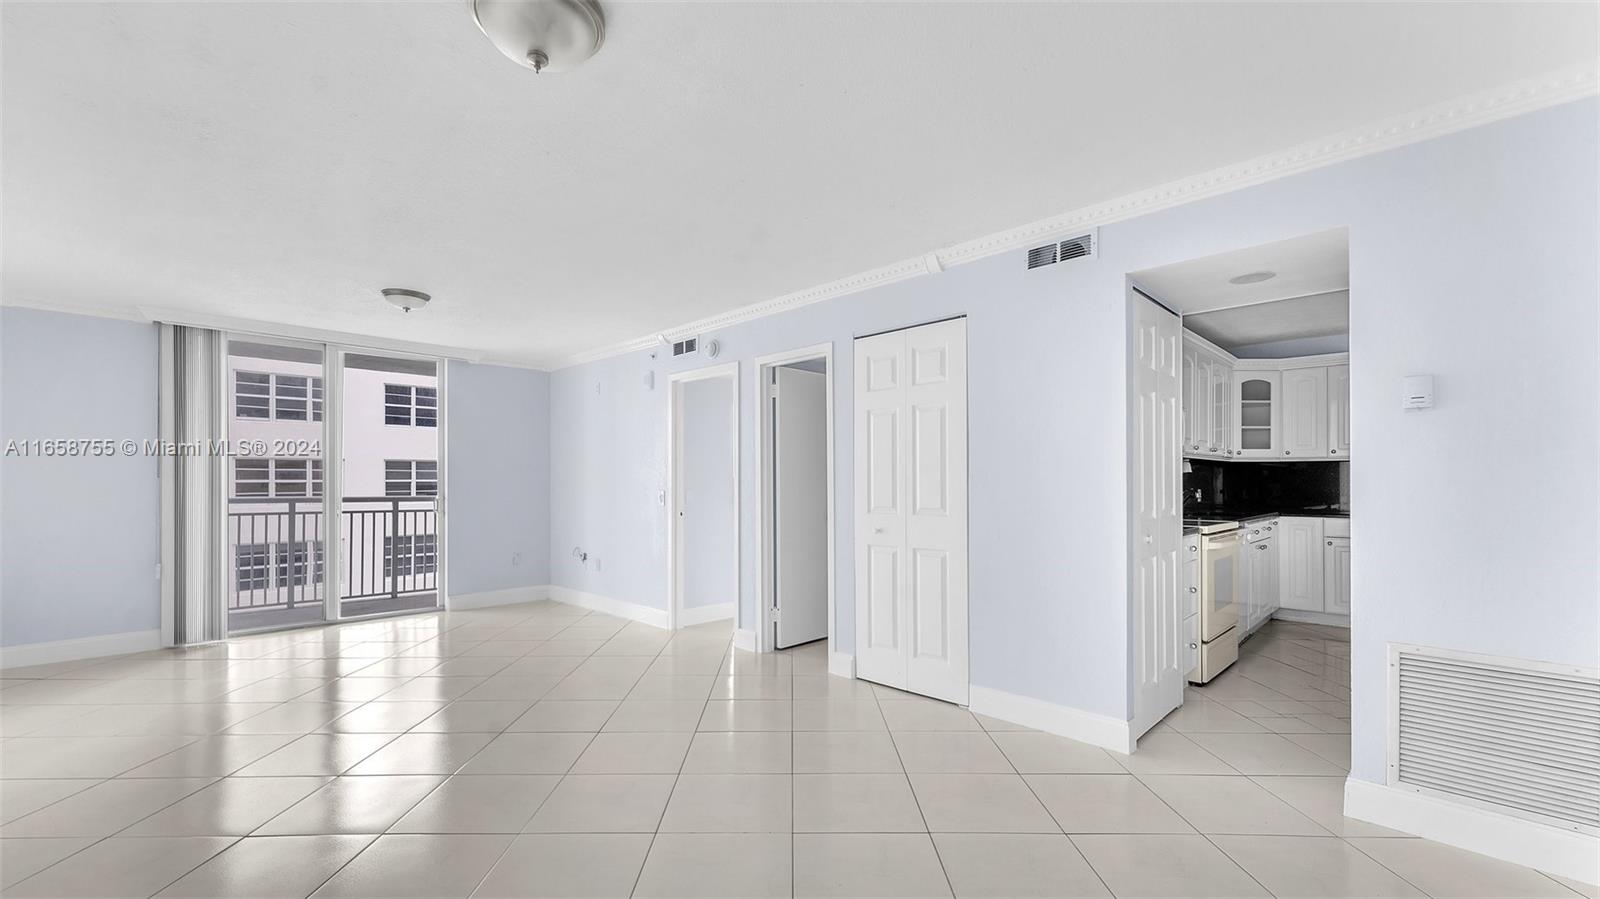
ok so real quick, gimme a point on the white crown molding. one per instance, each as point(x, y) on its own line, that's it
point(122, 313)
point(1471, 111)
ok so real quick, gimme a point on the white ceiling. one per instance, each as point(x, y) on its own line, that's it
point(1251, 327)
point(283, 161)
point(1315, 263)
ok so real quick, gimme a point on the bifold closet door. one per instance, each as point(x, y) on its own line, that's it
point(911, 509)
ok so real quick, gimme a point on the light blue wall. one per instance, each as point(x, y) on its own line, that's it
point(79, 538)
point(498, 460)
point(1473, 257)
point(710, 561)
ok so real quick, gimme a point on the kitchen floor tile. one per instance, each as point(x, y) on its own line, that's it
point(528, 753)
point(1036, 753)
point(980, 803)
point(604, 803)
point(482, 803)
point(1229, 805)
point(417, 866)
point(121, 866)
point(568, 865)
point(103, 809)
point(23, 858)
point(731, 865)
point(234, 806)
point(424, 753)
point(1003, 866)
point(1446, 872)
point(1104, 803)
point(1148, 865)
point(1311, 867)
point(951, 753)
point(730, 803)
point(269, 868)
point(855, 803)
point(634, 753)
point(867, 864)
point(740, 753)
point(353, 805)
point(845, 752)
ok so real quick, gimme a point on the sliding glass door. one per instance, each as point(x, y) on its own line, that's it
point(335, 484)
point(391, 418)
point(275, 536)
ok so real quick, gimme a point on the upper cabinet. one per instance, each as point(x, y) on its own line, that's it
point(1207, 403)
point(1305, 413)
point(1263, 409)
point(1339, 411)
point(1258, 403)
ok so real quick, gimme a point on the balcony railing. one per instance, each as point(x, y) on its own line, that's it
point(390, 552)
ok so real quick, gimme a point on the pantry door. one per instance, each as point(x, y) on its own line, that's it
point(911, 509)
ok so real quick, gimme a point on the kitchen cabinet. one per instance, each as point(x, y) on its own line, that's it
point(1189, 651)
point(1301, 551)
point(1258, 575)
point(1336, 575)
point(1304, 416)
point(1257, 405)
point(1221, 383)
point(1339, 411)
point(1207, 403)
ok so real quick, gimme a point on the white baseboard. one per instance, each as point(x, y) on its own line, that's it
point(744, 640)
point(1304, 617)
point(841, 664)
point(1074, 724)
point(704, 614)
point(488, 598)
point(594, 602)
point(81, 648)
point(1541, 846)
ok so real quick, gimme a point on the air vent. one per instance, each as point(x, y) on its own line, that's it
point(1520, 738)
point(1062, 251)
point(686, 347)
point(1044, 255)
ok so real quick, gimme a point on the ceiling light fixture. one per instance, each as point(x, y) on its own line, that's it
point(542, 35)
point(1252, 277)
point(407, 300)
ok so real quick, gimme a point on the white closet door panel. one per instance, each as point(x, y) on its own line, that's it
point(1157, 530)
point(880, 365)
point(801, 519)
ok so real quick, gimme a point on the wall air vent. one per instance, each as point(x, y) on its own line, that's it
point(1077, 247)
point(1516, 737)
point(1045, 255)
point(686, 347)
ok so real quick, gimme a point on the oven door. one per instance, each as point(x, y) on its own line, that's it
point(1219, 555)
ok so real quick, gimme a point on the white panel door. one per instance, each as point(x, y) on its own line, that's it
point(936, 509)
point(911, 509)
point(1305, 413)
point(1157, 529)
point(800, 507)
point(880, 401)
point(1339, 411)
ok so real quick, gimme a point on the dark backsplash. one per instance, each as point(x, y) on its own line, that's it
point(1248, 488)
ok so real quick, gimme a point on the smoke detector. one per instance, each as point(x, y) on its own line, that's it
point(406, 299)
point(542, 35)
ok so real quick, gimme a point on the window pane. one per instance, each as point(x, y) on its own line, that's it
point(289, 477)
point(396, 477)
point(316, 477)
point(427, 478)
point(292, 392)
point(427, 407)
point(251, 397)
point(250, 566)
point(316, 399)
point(250, 477)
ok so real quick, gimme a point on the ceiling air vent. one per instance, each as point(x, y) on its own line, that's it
point(685, 347)
point(1061, 251)
point(1521, 738)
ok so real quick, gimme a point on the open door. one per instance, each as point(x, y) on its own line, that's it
point(800, 516)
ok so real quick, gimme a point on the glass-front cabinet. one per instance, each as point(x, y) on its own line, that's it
point(1259, 397)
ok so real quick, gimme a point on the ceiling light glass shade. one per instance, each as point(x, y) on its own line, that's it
point(543, 35)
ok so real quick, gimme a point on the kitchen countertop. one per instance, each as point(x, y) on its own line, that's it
point(1252, 514)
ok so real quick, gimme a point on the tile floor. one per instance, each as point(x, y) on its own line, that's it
point(538, 750)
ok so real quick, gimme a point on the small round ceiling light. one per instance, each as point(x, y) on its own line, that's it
point(1252, 277)
point(406, 300)
point(542, 35)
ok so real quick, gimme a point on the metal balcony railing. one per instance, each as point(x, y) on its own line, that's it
point(390, 550)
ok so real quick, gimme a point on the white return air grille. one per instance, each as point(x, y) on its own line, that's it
point(1521, 738)
point(1079, 247)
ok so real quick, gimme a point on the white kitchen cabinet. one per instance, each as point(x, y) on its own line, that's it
point(1301, 549)
point(1220, 443)
point(1194, 409)
point(1257, 401)
point(1259, 572)
point(1304, 416)
point(1339, 411)
point(1336, 574)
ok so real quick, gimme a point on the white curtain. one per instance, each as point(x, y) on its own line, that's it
point(194, 406)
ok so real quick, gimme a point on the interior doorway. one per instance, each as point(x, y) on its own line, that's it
point(796, 567)
point(703, 445)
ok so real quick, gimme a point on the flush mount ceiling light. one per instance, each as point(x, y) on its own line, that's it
point(407, 300)
point(542, 35)
point(1252, 277)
